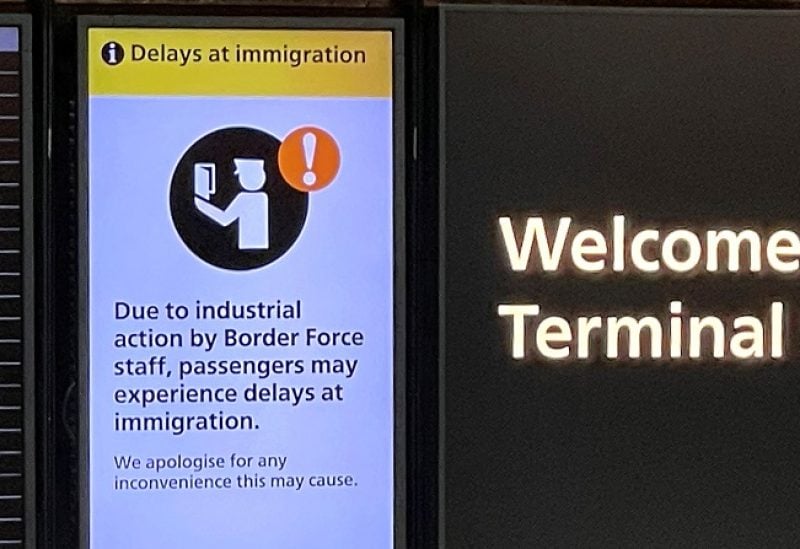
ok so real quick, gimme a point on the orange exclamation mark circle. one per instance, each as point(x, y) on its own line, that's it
point(309, 159)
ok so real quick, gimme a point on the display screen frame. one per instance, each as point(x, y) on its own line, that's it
point(395, 26)
point(446, 52)
point(23, 22)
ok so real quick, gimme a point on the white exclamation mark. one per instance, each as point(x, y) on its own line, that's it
point(309, 148)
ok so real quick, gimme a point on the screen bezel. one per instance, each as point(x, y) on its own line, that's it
point(395, 26)
point(23, 22)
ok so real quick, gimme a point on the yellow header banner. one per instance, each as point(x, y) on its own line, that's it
point(240, 62)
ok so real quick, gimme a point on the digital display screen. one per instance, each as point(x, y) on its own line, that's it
point(621, 251)
point(17, 433)
point(240, 363)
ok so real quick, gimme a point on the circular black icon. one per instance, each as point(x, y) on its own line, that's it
point(229, 202)
point(113, 53)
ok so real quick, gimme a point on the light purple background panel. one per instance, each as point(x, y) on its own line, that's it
point(341, 267)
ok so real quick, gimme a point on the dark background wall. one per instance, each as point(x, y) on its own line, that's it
point(56, 200)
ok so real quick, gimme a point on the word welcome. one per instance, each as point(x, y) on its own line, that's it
point(648, 250)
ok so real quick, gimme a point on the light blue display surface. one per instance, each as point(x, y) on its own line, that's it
point(341, 268)
point(9, 39)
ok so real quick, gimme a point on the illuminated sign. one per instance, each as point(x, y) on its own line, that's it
point(620, 257)
point(242, 349)
point(674, 251)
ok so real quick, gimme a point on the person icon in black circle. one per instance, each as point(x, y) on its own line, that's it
point(229, 202)
point(250, 207)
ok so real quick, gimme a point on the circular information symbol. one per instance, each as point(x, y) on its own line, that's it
point(229, 203)
point(112, 53)
point(309, 159)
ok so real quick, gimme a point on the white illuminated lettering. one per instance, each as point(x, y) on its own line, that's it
point(748, 341)
point(675, 333)
point(553, 329)
point(618, 238)
point(776, 327)
point(696, 327)
point(589, 243)
point(676, 329)
point(633, 328)
point(637, 252)
point(734, 243)
point(783, 243)
point(692, 243)
point(519, 255)
point(585, 327)
point(518, 314)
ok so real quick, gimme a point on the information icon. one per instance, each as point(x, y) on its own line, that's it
point(112, 53)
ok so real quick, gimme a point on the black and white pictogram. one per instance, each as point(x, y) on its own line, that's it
point(229, 202)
